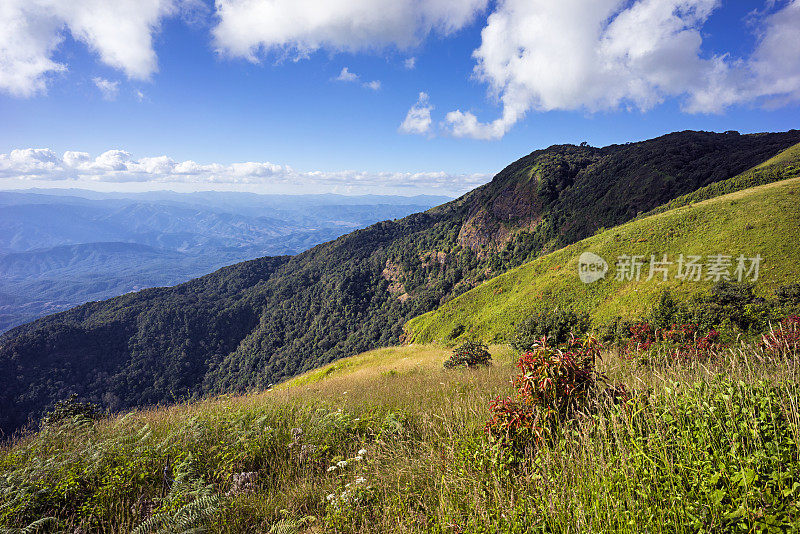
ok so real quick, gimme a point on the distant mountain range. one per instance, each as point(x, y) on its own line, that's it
point(60, 248)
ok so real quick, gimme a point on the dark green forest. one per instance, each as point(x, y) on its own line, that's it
point(255, 323)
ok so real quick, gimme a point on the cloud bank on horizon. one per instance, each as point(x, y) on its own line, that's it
point(118, 166)
point(535, 56)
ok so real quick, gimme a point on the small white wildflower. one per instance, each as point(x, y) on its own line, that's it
point(347, 485)
point(341, 463)
point(358, 458)
point(360, 480)
point(362, 452)
point(332, 468)
point(330, 496)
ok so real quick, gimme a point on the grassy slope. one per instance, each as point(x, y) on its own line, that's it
point(764, 220)
point(365, 368)
point(341, 407)
point(417, 460)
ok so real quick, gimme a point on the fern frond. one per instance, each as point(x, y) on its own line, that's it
point(31, 528)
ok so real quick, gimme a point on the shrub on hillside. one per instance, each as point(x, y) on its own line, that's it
point(667, 311)
point(725, 313)
point(557, 380)
point(729, 306)
point(736, 294)
point(553, 386)
point(68, 409)
point(642, 337)
point(616, 331)
point(788, 294)
point(469, 354)
point(556, 325)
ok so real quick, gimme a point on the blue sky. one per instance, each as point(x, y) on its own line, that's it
point(244, 95)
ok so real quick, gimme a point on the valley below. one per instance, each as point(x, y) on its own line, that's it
point(61, 248)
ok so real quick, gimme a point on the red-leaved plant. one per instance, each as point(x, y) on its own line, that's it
point(783, 341)
point(553, 385)
point(642, 337)
point(683, 341)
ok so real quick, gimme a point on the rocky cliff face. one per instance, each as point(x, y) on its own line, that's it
point(493, 221)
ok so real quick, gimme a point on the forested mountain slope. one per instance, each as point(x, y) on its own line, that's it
point(254, 323)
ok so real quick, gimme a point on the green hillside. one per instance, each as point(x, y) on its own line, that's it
point(259, 322)
point(763, 220)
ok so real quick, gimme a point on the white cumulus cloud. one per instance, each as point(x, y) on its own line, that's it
point(119, 32)
point(110, 160)
point(538, 55)
point(31, 161)
point(374, 85)
point(250, 28)
point(418, 119)
point(72, 158)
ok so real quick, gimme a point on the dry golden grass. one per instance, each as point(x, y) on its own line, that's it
point(396, 377)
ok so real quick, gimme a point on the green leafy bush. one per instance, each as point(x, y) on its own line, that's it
point(788, 294)
point(68, 409)
point(556, 325)
point(469, 354)
point(666, 312)
point(731, 308)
